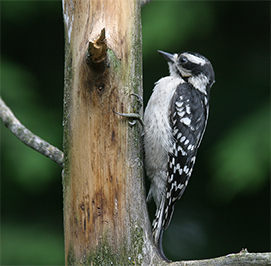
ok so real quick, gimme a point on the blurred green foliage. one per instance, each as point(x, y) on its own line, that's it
point(174, 22)
point(28, 164)
point(31, 244)
point(241, 159)
point(226, 206)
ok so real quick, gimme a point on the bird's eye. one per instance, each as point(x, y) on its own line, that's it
point(183, 60)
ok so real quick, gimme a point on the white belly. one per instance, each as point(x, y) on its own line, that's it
point(158, 134)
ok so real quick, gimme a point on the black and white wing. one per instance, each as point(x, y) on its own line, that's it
point(188, 117)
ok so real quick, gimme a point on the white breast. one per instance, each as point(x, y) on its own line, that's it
point(158, 132)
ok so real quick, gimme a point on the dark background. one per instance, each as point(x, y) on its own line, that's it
point(226, 206)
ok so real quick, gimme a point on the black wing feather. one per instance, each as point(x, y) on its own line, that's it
point(189, 111)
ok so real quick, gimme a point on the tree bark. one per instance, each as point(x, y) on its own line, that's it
point(105, 216)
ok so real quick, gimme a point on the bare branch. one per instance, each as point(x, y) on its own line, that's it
point(239, 259)
point(27, 137)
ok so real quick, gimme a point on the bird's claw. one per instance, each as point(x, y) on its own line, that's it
point(135, 116)
point(139, 99)
point(131, 115)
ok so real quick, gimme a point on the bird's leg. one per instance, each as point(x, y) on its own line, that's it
point(135, 116)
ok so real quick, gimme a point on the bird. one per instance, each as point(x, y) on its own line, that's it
point(175, 120)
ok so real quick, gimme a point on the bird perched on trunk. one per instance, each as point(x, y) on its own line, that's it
point(174, 123)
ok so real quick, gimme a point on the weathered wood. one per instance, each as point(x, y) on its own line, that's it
point(105, 215)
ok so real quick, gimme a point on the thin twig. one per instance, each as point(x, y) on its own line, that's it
point(27, 137)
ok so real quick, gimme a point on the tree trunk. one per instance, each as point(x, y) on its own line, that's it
point(105, 215)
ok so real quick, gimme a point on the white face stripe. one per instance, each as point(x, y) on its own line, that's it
point(199, 82)
point(175, 56)
point(195, 59)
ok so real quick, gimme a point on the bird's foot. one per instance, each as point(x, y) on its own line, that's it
point(134, 116)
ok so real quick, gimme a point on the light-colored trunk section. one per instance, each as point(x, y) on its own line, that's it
point(105, 214)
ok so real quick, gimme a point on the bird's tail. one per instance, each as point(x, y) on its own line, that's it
point(158, 229)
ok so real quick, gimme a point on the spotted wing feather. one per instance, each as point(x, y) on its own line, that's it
point(189, 113)
point(188, 118)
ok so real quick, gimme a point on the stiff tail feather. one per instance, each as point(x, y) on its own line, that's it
point(158, 229)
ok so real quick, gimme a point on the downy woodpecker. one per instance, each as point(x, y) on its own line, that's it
point(174, 123)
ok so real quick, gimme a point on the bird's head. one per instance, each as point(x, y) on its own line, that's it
point(193, 68)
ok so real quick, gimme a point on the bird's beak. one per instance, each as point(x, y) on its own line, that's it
point(168, 57)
